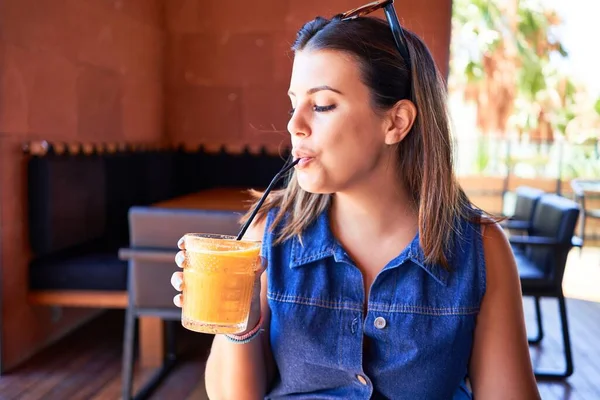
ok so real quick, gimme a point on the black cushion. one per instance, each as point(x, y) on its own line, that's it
point(66, 202)
point(528, 270)
point(123, 189)
point(158, 171)
point(89, 267)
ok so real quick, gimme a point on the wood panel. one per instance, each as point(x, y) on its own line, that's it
point(79, 298)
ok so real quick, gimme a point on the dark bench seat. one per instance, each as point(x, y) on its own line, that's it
point(91, 267)
point(78, 206)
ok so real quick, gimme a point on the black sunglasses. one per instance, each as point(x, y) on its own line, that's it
point(392, 18)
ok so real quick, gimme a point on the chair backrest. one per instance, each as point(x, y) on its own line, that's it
point(555, 217)
point(526, 201)
point(160, 229)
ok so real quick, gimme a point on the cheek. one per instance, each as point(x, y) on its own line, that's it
point(350, 136)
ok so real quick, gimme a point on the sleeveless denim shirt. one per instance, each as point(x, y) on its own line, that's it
point(419, 320)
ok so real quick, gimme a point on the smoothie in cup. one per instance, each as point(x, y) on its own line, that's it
point(219, 277)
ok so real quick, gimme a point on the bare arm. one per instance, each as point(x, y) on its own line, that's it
point(500, 365)
point(243, 371)
point(239, 371)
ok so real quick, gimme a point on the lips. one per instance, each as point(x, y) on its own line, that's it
point(304, 156)
point(302, 153)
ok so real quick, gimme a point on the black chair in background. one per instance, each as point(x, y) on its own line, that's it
point(525, 203)
point(542, 263)
point(522, 217)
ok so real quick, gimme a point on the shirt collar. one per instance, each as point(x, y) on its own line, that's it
point(318, 243)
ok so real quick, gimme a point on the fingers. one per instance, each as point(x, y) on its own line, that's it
point(177, 277)
point(177, 281)
point(178, 300)
point(180, 258)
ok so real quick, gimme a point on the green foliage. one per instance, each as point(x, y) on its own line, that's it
point(473, 71)
point(482, 158)
point(486, 39)
point(529, 33)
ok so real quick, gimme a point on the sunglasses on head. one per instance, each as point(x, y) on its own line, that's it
point(392, 18)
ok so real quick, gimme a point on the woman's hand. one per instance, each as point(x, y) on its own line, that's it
point(177, 277)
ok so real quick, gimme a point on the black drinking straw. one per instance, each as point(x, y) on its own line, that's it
point(285, 169)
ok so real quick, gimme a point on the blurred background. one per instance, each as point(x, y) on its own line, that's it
point(524, 92)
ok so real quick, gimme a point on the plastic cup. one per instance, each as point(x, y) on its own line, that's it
point(219, 277)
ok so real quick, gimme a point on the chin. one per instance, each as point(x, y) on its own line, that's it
point(314, 187)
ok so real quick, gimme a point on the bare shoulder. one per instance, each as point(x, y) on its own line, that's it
point(499, 259)
point(497, 250)
point(256, 230)
point(493, 235)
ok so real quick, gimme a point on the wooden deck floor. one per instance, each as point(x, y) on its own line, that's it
point(87, 364)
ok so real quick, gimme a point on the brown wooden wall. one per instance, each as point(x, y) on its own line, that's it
point(70, 70)
point(185, 71)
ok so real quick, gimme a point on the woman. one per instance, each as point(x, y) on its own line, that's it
point(382, 280)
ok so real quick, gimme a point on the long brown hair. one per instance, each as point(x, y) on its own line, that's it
point(425, 157)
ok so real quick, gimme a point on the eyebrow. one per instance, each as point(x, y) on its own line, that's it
point(317, 89)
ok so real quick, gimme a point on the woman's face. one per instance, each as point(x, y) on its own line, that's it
point(336, 133)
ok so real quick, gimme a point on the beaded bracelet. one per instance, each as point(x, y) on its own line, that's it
point(248, 336)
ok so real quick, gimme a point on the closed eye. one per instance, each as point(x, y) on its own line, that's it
point(316, 108)
point(324, 108)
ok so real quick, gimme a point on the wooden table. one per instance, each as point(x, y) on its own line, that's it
point(583, 188)
point(222, 199)
point(226, 199)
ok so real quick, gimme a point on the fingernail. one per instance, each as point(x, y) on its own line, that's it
point(179, 258)
point(178, 284)
point(180, 243)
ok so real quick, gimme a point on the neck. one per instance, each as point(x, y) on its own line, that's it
point(369, 207)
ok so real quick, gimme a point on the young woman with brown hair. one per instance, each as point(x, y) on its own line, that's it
point(382, 280)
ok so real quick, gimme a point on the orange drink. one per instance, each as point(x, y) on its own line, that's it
point(219, 276)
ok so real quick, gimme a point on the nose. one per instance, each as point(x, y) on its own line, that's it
point(297, 125)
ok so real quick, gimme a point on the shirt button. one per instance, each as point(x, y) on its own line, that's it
point(380, 323)
point(361, 379)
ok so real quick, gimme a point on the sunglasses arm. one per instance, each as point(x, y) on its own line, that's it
point(390, 13)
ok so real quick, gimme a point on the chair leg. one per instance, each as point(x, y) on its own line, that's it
point(170, 341)
point(538, 316)
point(582, 230)
point(566, 343)
point(128, 357)
point(169, 361)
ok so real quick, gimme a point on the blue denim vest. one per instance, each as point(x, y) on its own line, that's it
point(419, 321)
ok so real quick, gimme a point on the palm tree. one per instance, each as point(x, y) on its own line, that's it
point(508, 74)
